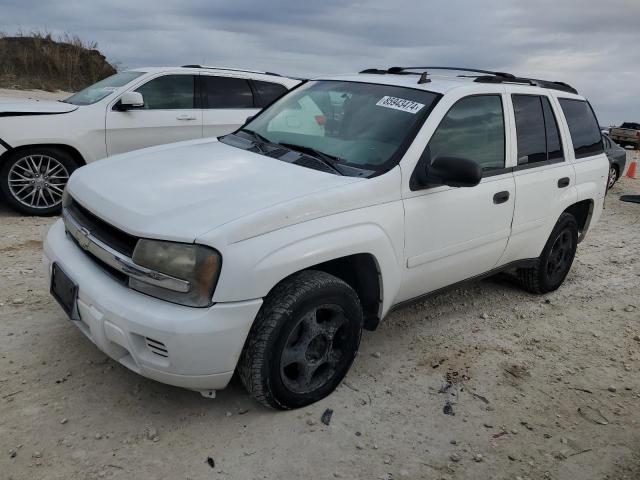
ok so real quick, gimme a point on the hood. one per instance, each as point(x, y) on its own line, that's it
point(180, 191)
point(19, 106)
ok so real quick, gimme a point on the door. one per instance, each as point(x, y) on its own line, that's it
point(227, 103)
point(452, 234)
point(170, 114)
point(545, 180)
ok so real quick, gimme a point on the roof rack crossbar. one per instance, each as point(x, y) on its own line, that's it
point(487, 76)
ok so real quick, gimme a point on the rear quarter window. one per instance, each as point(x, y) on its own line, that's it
point(268, 92)
point(583, 126)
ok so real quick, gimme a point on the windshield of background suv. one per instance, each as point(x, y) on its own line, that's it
point(101, 89)
point(357, 124)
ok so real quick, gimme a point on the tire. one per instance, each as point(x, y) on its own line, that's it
point(613, 176)
point(303, 341)
point(32, 179)
point(556, 259)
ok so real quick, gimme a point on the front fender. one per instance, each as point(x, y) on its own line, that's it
point(251, 268)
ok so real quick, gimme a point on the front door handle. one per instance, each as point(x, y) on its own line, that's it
point(501, 197)
point(185, 117)
point(564, 182)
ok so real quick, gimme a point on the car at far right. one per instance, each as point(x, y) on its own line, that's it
point(617, 159)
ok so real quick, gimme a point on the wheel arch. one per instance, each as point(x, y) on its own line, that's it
point(70, 150)
point(362, 273)
point(582, 212)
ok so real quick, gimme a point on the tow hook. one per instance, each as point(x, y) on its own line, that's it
point(208, 393)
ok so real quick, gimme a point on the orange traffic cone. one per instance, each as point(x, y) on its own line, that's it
point(633, 169)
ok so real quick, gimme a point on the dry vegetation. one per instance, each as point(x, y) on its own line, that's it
point(40, 61)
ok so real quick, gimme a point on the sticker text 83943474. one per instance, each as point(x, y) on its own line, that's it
point(400, 104)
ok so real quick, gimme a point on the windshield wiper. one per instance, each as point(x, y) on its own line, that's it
point(258, 140)
point(324, 158)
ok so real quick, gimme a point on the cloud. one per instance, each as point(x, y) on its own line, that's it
point(591, 45)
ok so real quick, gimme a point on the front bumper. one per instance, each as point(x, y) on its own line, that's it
point(194, 348)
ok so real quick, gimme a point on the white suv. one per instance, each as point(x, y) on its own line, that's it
point(269, 250)
point(43, 142)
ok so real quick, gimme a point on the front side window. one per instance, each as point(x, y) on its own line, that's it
point(102, 89)
point(226, 92)
point(362, 125)
point(268, 92)
point(169, 92)
point(474, 129)
point(583, 127)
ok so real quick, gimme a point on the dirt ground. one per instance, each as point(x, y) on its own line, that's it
point(537, 387)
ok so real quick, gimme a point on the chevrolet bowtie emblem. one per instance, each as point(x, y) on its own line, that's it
point(83, 238)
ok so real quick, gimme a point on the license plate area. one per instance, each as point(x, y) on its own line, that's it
point(65, 291)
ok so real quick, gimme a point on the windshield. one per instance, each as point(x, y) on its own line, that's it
point(357, 124)
point(101, 89)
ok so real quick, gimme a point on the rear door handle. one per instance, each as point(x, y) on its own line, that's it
point(185, 117)
point(501, 197)
point(564, 182)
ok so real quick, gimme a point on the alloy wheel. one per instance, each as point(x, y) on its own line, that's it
point(613, 176)
point(315, 349)
point(560, 256)
point(38, 181)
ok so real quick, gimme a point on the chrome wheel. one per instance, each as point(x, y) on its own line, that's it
point(613, 176)
point(38, 181)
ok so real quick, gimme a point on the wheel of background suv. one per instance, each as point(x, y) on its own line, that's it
point(302, 342)
point(613, 176)
point(32, 179)
point(555, 262)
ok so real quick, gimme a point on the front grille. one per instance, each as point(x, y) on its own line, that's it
point(115, 274)
point(112, 236)
point(156, 347)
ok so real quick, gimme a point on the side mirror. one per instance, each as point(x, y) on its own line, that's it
point(130, 100)
point(249, 119)
point(453, 172)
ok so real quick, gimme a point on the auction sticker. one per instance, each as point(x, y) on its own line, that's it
point(400, 104)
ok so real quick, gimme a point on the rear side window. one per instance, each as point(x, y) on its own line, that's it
point(554, 144)
point(267, 92)
point(532, 136)
point(537, 130)
point(583, 126)
point(169, 92)
point(226, 92)
point(473, 128)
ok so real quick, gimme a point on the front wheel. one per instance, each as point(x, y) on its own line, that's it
point(556, 259)
point(302, 342)
point(33, 179)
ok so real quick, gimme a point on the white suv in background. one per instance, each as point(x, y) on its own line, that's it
point(267, 251)
point(43, 142)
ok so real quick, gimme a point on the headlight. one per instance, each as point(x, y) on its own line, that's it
point(196, 264)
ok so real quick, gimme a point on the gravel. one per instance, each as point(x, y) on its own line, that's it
point(566, 346)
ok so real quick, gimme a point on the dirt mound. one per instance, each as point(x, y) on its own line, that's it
point(41, 62)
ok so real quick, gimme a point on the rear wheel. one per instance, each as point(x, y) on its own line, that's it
point(613, 176)
point(32, 180)
point(554, 264)
point(302, 342)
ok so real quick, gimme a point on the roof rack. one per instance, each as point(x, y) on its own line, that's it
point(487, 76)
point(231, 69)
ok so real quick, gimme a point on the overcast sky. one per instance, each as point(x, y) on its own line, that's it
point(593, 45)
